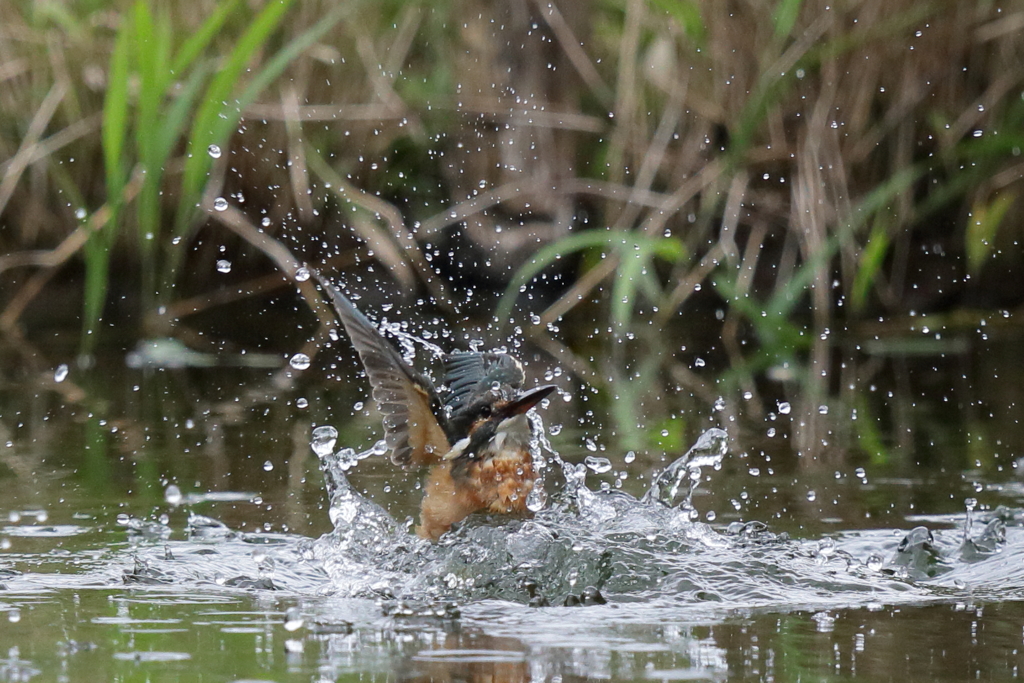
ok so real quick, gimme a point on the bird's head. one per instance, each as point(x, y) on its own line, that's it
point(494, 420)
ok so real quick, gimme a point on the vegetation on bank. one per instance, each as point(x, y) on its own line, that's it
point(779, 171)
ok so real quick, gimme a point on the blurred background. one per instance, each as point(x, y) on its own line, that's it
point(773, 217)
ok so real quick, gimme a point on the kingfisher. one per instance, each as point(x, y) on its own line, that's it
point(475, 440)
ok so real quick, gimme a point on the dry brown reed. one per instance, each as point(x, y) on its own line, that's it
point(768, 138)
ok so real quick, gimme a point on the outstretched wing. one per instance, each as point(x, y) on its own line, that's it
point(470, 373)
point(407, 399)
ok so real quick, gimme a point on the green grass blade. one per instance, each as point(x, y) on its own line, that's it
point(115, 113)
point(979, 240)
point(785, 16)
point(624, 287)
point(195, 45)
point(870, 262)
point(687, 15)
point(218, 113)
point(114, 135)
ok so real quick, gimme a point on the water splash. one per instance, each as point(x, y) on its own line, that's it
point(709, 451)
point(579, 540)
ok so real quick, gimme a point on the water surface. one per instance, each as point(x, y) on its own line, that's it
point(892, 550)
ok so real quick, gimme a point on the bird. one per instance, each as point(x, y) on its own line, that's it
point(473, 435)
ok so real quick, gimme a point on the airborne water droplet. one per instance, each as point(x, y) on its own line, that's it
point(537, 498)
point(213, 151)
point(61, 373)
point(172, 494)
point(324, 440)
point(299, 361)
point(302, 274)
point(220, 204)
point(223, 266)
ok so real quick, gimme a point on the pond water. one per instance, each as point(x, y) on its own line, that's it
point(162, 523)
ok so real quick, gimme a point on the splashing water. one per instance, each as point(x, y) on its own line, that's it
point(579, 540)
point(582, 545)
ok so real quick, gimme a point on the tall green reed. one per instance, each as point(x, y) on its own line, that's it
point(160, 94)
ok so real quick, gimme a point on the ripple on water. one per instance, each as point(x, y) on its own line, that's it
point(646, 557)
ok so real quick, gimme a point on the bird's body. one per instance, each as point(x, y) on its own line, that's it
point(476, 442)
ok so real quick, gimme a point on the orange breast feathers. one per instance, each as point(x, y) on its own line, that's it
point(499, 484)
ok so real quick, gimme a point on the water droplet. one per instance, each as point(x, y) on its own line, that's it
point(302, 274)
point(213, 151)
point(80, 213)
point(220, 204)
point(267, 466)
point(823, 410)
point(537, 498)
point(293, 620)
point(172, 494)
point(299, 361)
point(719, 404)
point(591, 446)
point(301, 403)
point(14, 616)
point(598, 464)
point(265, 222)
point(812, 496)
point(874, 563)
point(785, 408)
point(698, 362)
point(630, 457)
point(61, 373)
point(223, 266)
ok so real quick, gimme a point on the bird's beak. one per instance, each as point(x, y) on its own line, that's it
point(527, 400)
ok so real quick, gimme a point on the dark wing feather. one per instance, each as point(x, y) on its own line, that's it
point(470, 373)
point(411, 408)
